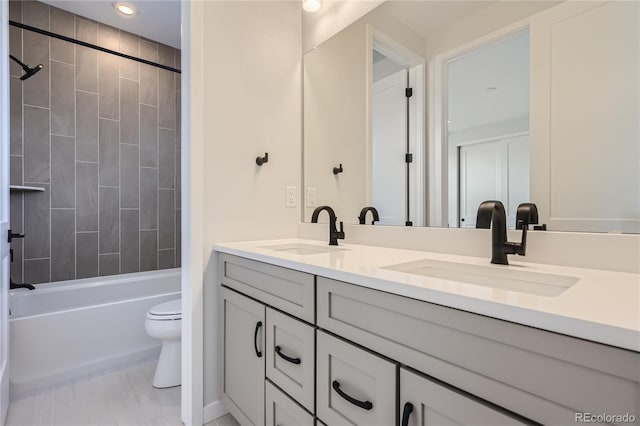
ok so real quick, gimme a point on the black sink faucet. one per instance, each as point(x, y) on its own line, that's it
point(491, 214)
point(334, 235)
point(363, 215)
point(527, 214)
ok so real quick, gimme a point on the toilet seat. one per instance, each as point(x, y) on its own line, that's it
point(167, 311)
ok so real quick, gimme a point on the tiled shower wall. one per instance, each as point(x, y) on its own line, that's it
point(100, 134)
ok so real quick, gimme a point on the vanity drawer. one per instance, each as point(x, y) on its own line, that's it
point(543, 376)
point(286, 289)
point(291, 356)
point(355, 387)
point(280, 410)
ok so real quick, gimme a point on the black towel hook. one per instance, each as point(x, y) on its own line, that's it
point(261, 160)
point(337, 170)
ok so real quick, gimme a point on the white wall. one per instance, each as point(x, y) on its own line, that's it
point(246, 100)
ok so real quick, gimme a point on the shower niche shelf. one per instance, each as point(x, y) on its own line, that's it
point(22, 188)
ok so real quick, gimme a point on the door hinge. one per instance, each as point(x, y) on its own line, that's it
point(408, 92)
point(408, 158)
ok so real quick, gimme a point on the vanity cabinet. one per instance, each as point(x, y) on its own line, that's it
point(290, 291)
point(243, 345)
point(355, 387)
point(540, 375)
point(291, 356)
point(281, 410)
point(337, 353)
point(424, 402)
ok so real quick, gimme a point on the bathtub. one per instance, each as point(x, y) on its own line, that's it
point(64, 330)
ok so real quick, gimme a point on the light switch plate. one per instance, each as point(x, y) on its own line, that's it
point(311, 197)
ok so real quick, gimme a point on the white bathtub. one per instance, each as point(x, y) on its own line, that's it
point(68, 329)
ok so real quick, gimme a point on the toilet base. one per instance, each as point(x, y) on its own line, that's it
point(168, 371)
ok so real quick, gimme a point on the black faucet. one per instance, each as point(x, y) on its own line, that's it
point(527, 214)
point(13, 285)
point(334, 235)
point(363, 215)
point(491, 214)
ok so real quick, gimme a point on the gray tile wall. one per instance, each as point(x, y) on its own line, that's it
point(101, 135)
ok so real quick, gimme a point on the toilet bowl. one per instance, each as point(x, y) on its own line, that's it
point(164, 322)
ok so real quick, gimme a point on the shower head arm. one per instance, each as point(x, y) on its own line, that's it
point(24, 66)
point(27, 69)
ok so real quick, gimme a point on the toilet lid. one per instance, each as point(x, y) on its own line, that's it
point(167, 310)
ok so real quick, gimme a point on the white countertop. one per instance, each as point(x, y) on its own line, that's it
point(602, 306)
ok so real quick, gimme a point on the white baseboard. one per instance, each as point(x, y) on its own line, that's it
point(213, 411)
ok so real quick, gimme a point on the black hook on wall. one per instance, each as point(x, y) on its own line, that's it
point(337, 170)
point(261, 160)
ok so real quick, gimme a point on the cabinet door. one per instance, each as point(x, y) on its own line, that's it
point(424, 402)
point(243, 322)
point(282, 410)
point(354, 386)
point(291, 357)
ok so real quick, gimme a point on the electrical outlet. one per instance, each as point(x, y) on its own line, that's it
point(290, 196)
point(311, 197)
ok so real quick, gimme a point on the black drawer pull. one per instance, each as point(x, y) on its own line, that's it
point(287, 358)
point(366, 405)
point(406, 413)
point(255, 339)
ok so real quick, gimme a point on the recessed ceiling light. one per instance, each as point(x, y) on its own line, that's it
point(125, 8)
point(311, 5)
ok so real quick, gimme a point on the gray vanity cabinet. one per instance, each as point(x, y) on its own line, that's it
point(285, 289)
point(424, 402)
point(278, 324)
point(540, 375)
point(280, 410)
point(243, 357)
point(354, 386)
point(291, 356)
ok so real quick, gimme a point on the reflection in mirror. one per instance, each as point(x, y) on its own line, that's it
point(395, 130)
point(488, 128)
point(527, 101)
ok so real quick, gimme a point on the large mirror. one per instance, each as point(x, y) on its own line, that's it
point(423, 109)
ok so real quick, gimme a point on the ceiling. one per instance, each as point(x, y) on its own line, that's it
point(490, 84)
point(157, 20)
point(428, 18)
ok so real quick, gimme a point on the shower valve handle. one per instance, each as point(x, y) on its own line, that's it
point(12, 235)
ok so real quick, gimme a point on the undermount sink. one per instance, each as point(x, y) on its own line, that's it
point(538, 283)
point(300, 248)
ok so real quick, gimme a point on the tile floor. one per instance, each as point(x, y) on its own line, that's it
point(118, 397)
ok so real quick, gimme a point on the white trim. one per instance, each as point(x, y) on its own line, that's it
point(214, 410)
point(192, 218)
point(417, 140)
point(438, 136)
point(4, 209)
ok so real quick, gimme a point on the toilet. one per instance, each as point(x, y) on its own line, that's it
point(164, 322)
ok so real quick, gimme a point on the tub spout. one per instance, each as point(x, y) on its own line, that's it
point(13, 285)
